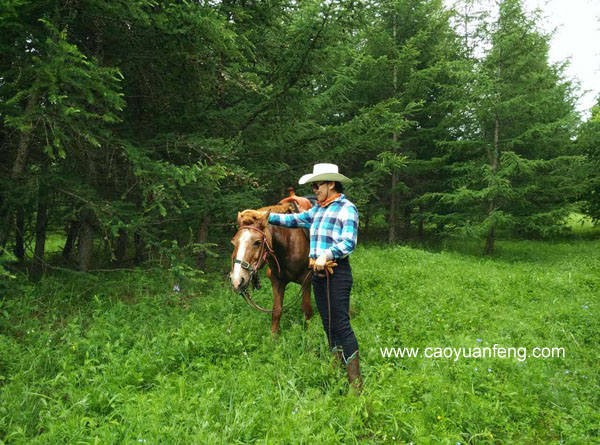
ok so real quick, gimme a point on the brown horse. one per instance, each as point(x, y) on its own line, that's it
point(284, 250)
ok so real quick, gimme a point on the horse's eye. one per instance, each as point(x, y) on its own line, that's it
point(257, 243)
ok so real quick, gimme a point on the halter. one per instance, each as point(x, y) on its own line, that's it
point(266, 249)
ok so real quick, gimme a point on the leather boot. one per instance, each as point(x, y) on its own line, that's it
point(354, 377)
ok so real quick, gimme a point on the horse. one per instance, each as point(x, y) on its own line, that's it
point(284, 250)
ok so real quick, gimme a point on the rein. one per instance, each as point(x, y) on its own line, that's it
point(248, 299)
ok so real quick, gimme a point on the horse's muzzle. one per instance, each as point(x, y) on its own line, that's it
point(240, 285)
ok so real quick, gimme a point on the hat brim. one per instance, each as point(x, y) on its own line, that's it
point(324, 177)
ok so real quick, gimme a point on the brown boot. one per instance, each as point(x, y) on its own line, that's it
point(354, 377)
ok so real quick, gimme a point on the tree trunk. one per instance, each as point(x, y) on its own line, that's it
point(393, 217)
point(86, 241)
point(201, 238)
point(70, 242)
point(421, 232)
point(406, 221)
point(37, 269)
point(19, 250)
point(24, 142)
point(122, 241)
point(140, 254)
point(17, 173)
point(490, 239)
point(366, 231)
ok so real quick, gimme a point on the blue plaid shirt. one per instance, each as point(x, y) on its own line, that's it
point(333, 228)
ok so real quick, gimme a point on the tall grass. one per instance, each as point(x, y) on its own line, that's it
point(125, 358)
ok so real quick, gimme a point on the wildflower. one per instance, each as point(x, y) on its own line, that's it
point(476, 369)
point(439, 417)
point(479, 340)
point(176, 288)
point(566, 371)
point(491, 436)
point(585, 306)
point(439, 320)
point(489, 369)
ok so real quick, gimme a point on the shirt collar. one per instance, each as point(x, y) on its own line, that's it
point(335, 198)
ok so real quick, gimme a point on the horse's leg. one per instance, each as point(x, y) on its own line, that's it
point(278, 291)
point(306, 303)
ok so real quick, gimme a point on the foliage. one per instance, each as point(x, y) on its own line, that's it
point(134, 356)
point(515, 167)
point(588, 141)
point(132, 128)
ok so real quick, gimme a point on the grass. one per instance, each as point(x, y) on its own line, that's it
point(123, 358)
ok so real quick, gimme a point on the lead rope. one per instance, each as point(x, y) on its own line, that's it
point(248, 299)
point(329, 309)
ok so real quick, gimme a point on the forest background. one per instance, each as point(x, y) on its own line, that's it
point(135, 131)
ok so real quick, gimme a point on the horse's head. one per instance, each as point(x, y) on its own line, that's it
point(248, 247)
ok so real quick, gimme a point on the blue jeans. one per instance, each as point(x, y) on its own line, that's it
point(340, 284)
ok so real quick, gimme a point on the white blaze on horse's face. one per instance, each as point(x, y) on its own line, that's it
point(239, 276)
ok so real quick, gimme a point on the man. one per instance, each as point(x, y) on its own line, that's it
point(333, 224)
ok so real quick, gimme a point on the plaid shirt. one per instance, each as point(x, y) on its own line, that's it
point(333, 228)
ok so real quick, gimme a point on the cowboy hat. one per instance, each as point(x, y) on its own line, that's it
point(324, 172)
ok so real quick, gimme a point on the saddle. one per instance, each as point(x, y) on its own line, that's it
point(301, 204)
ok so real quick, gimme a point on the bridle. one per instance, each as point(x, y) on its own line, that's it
point(266, 251)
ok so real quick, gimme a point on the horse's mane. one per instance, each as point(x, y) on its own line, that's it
point(252, 217)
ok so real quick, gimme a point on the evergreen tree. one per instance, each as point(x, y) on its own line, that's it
point(515, 168)
point(588, 141)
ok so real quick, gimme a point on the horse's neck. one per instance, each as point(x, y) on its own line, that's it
point(276, 238)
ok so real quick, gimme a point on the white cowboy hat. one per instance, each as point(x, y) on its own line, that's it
point(324, 172)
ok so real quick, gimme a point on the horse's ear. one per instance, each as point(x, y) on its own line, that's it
point(264, 222)
point(239, 219)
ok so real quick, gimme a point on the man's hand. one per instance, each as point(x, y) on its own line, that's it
point(320, 262)
point(324, 264)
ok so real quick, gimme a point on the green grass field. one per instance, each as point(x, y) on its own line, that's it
point(123, 358)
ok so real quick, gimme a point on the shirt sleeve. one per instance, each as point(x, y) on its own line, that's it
point(349, 221)
point(294, 220)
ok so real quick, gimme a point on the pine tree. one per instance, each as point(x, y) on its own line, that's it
point(588, 142)
point(515, 167)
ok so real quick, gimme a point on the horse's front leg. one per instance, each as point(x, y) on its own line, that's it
point(278, 291)
point(306, 303)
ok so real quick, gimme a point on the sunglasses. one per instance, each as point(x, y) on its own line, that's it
point(316, 185)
